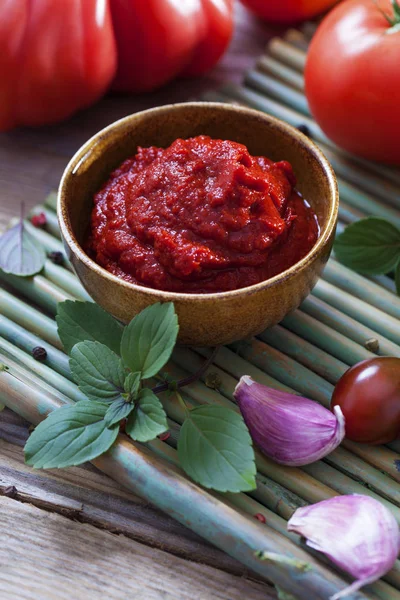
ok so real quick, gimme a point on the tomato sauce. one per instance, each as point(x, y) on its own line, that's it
point(200, 216)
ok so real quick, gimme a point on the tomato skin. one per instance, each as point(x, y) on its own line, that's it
point(288, 11)
point(49, 66)
point(369, 396)
point(158, 40)
point(351, 86)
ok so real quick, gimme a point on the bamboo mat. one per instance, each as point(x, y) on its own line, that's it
point(345, 317)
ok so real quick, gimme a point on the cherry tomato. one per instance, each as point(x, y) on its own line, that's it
point(369, 396)
point(351, 86)
point(288, 11)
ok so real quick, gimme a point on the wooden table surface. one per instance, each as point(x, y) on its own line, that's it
point(74, 533)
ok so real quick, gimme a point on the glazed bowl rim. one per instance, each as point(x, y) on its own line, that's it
point(166, 296)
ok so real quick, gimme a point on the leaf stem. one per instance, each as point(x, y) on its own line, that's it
point(182, 402)
point(162, 387)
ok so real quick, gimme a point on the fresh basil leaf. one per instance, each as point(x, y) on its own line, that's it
point(86, 321)
point(215, 449)
point(70, 436)
point(117, 411)
point(148, 420)
point(98, 371)
point(397, 278)
point(20, 253)
point(131, 384)
point(370, 246)
point(148, 340)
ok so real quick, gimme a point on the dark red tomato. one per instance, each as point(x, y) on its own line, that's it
point(288, 11)
point(369, 396)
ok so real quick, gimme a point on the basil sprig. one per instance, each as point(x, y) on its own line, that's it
point(370, 246)
point(112, 366)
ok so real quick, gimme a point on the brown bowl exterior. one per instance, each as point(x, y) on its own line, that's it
point(204, 319)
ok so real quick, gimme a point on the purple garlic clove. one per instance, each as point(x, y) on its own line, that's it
point(291, 430)
point(358, 534)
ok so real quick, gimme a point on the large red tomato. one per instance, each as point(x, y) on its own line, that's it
point(288, 11)
point(352, 78)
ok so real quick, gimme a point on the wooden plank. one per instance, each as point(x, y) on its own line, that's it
point(85, 494)
point(49, 557)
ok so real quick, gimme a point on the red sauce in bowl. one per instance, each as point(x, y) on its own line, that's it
point(200, 216)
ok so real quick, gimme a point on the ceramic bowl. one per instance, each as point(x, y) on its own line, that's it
point(204, 319)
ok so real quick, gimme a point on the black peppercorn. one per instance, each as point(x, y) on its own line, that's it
point(304, 129)
point(39, 353)
point(56, 257)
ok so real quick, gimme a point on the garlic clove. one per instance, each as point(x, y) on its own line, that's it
point(357, 533)
point(290, 429)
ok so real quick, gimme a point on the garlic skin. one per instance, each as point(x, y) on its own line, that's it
point(358, 534)
point(290, 429)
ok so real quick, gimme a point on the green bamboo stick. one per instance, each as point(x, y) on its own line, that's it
point(268, 64)
point(348, 214)
point(51, 219)
point(51, 201)
point(315, 359)
point(189, 504)
point(326, 338)
point(285, 369)
point(355, 467)
point(384, 281)
point(65, 280)
point(296, 38)
point(343, 484)
point(286, 53)
point(37, 288)
point(375, 184)
point(53, 378)
point(366, 202)
point(30, 318)
point(380, 457)
point(370, 316)
point(26, 341)
point(360, 287)
point(347, 325)
point(277, 89)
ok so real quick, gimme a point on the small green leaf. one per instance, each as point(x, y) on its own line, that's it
point(70, 436)
point(215, 449)
point(20, 253)
point(132, 384)
point(86, 321)
point(148, 420)
point(370, 246)
point(148, 340)
point(98, 371)
point(117, 411)
point(397, 278)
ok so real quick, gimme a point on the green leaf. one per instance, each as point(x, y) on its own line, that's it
point(397, 278)
point(131, 384)
point(70, 436)
point(20, 253)
point(118, 410)
point(370, 246)
point(98, 371)
point(215, 449)
point(86, 321)
point(148, 420)
point(148, 340)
